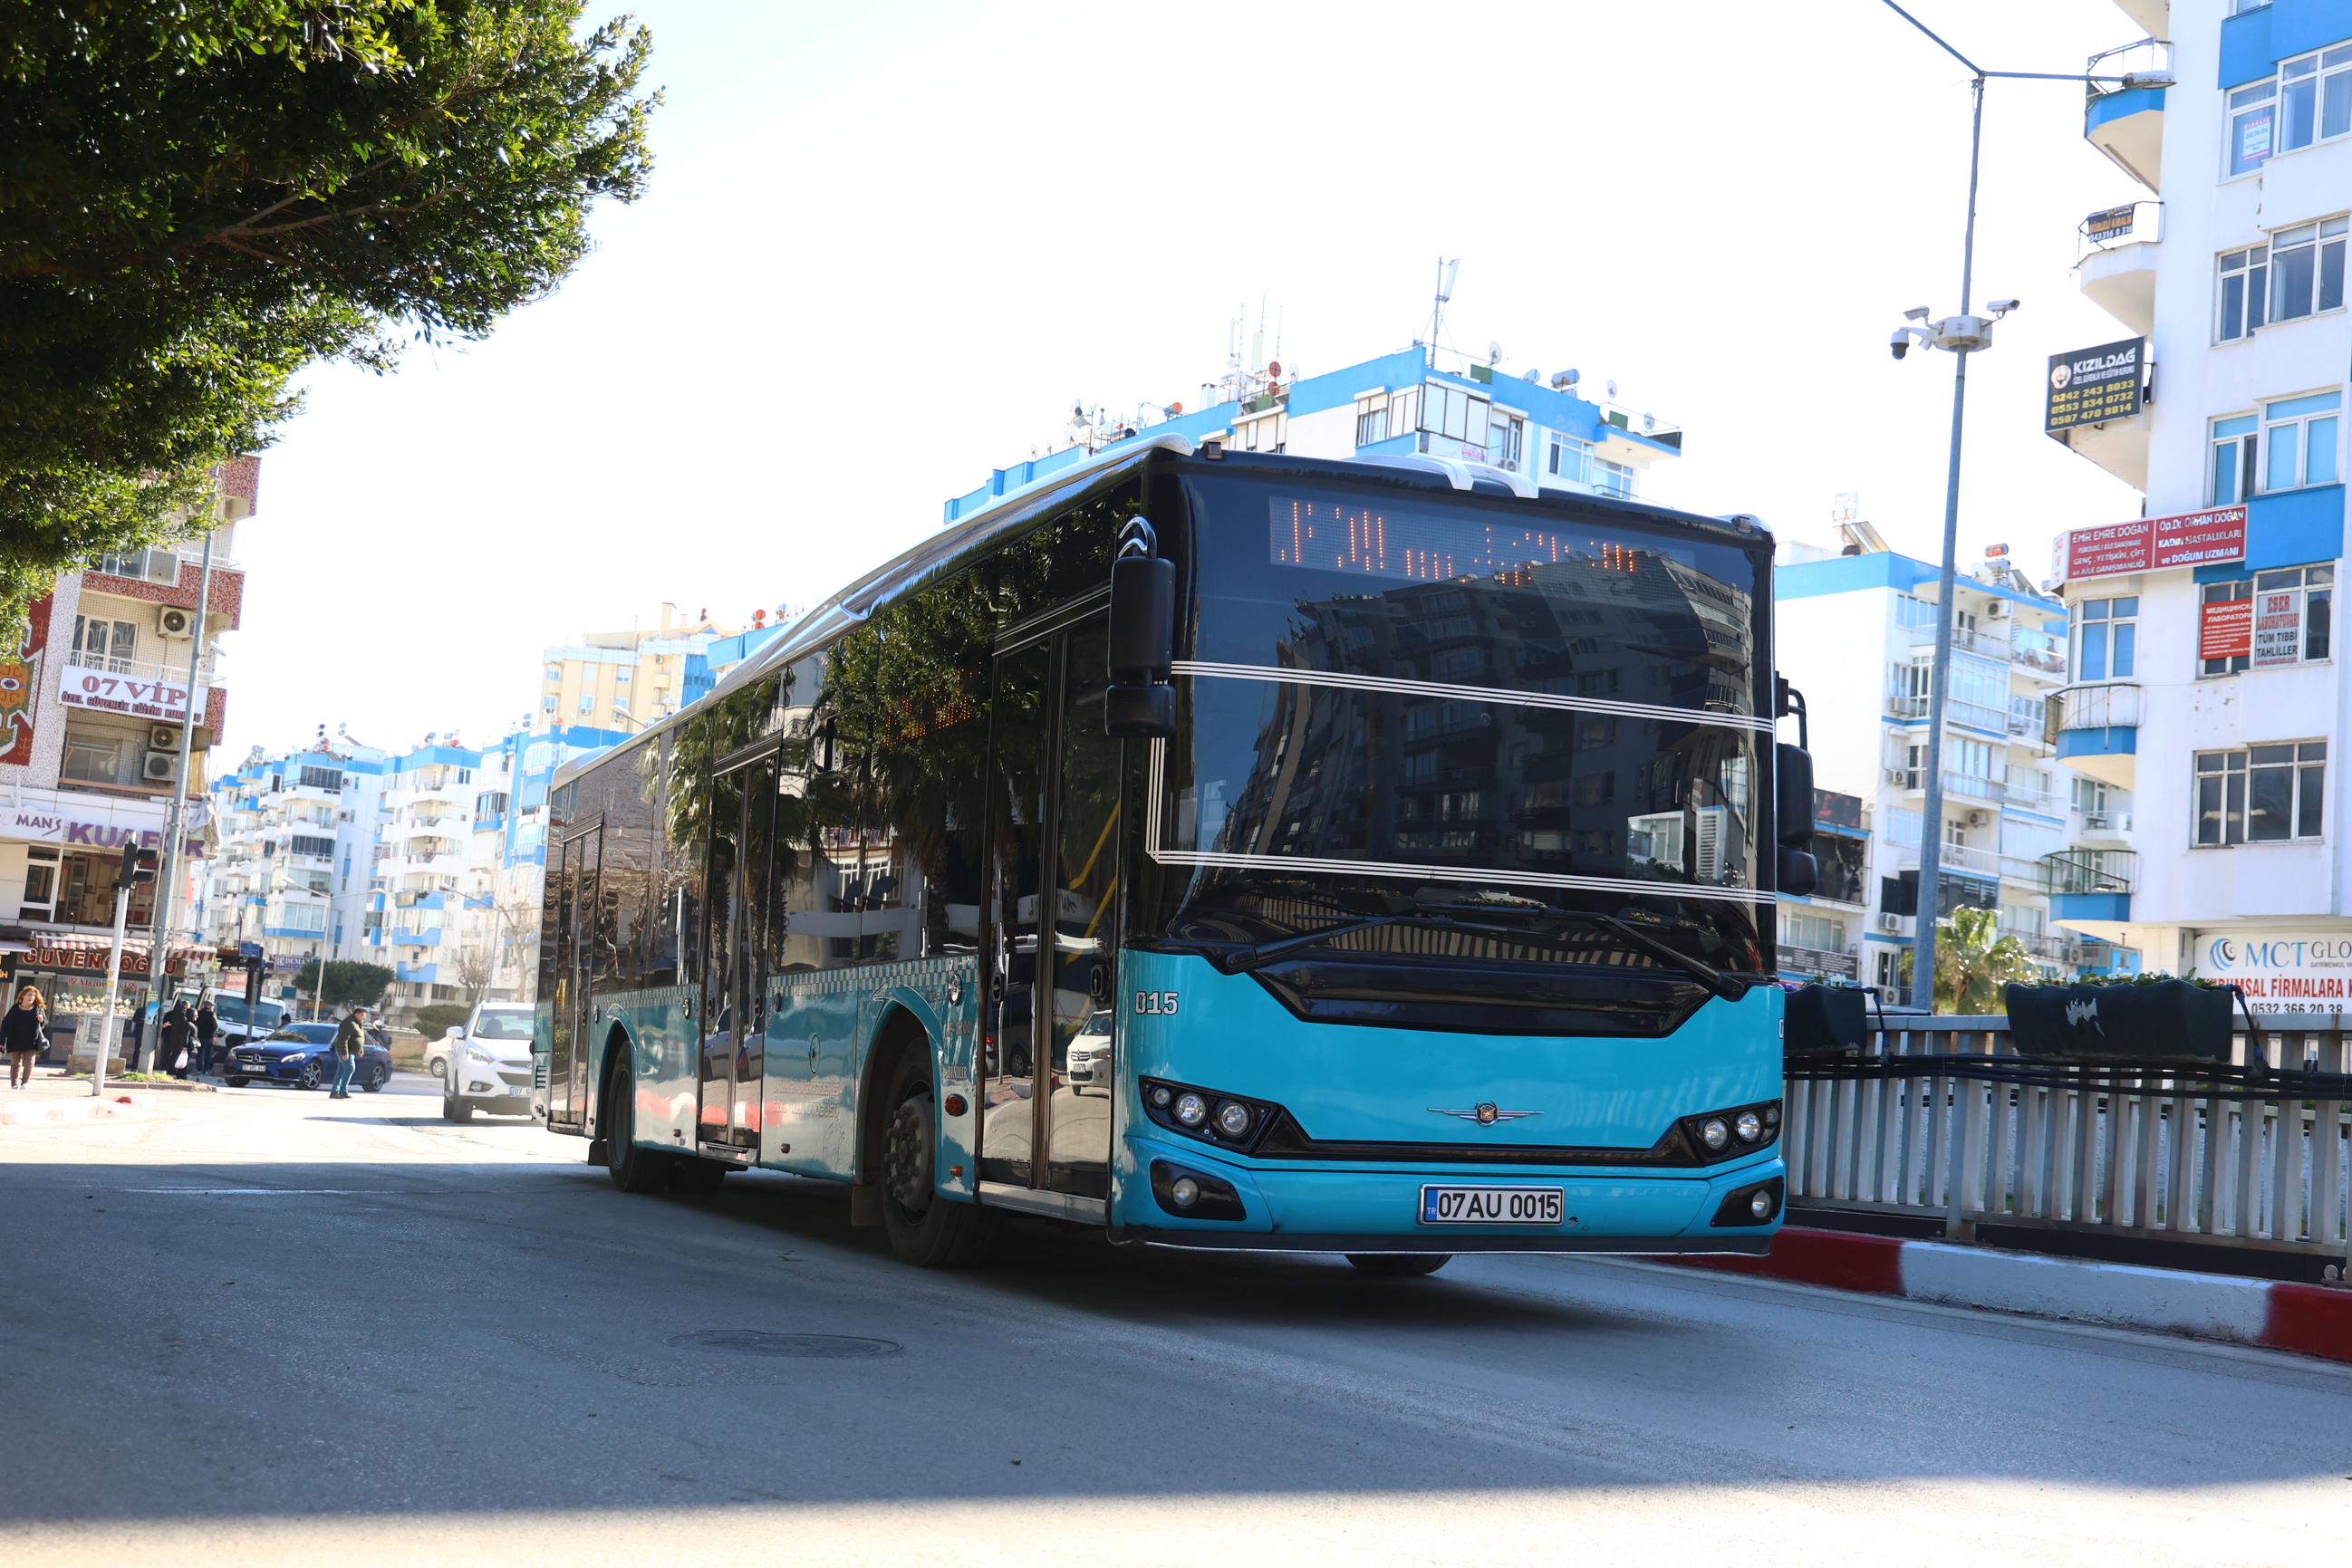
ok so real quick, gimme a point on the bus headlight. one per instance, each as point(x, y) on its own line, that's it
point(1728, 1134)
point(1186, 1191)
point(1228, 1121)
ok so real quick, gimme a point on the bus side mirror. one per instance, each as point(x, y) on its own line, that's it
point(1792, 818)
point(1139, 704)
point(1799, 874)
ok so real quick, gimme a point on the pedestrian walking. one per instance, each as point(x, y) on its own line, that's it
point(349, 1042)
point(25, 1034)
point(178, 1038)
point(208, 1030)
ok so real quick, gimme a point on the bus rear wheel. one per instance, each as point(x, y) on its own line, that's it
point(924, 1229)
point(1401, 1265)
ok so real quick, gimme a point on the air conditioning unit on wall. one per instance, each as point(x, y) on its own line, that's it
point(1890, 923)
point(164, 738)
point(173, 621)
point(162, 766)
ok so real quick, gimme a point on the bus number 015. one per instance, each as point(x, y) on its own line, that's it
point(1155, 1002)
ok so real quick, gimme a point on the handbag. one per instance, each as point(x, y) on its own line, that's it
point(180, 1062)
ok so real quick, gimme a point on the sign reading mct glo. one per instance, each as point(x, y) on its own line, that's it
point(2091, 386)
point(2286, 972)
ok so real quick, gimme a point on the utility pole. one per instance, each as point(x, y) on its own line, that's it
point(138, 866)
point(176, 819)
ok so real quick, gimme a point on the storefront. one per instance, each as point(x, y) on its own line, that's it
point(69, 971)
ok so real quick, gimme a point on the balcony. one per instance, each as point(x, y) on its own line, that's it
point(130, 688)
point(1914, 708)
point(1985, 640)
point(2090, 890)
point(2118, 266)
point(2037, 654)
point(2128, 127)
point(2098, 731)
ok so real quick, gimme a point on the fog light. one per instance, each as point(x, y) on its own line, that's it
point(477, 1089)
point(1161, 1095)
point(1772, 1114)
point(1234, 1119)
point(1191, 1110)
point(1714, 1132)
point(1187, 1192)
point(1749, 1126)
point(1760, 1206)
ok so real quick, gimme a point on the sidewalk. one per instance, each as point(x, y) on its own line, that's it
point(2312, 1320)
point(52, 1099)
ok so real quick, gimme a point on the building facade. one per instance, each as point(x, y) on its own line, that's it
point(625, 681)
point(290, 853)
point(2206, 686)
point(1856, 629)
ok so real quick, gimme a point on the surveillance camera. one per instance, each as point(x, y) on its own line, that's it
point(1900, 343)
point(1916, 313)
point(2002, 307)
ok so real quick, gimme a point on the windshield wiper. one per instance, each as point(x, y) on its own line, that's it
point(1730, 988)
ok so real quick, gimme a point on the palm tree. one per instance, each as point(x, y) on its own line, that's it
point(1974, 961)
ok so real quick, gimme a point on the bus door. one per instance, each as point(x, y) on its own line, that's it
point(1048, 1064)
point(575, 937)
point(733, 985)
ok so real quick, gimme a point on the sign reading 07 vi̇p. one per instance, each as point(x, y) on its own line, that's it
point(2091, 386)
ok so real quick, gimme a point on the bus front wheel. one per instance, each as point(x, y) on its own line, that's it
point(1401, 1265)
point(632, 1169)
point(924, 1229)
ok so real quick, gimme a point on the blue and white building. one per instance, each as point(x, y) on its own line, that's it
point(2206, 681)
point(1549, 430)
point(290, 856)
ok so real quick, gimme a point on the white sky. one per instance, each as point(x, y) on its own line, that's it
point(885, 247)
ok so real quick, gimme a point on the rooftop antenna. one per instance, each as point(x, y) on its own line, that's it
point(1445, 271)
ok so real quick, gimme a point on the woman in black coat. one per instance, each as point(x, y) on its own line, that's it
point(178, 1035)
point(25, 1034)
point(208, 1030)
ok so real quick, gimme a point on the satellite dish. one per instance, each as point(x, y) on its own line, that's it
point(1493, 354)
point(1613, 390)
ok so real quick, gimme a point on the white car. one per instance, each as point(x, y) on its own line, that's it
point(1088, 1065)
point(489, 1062)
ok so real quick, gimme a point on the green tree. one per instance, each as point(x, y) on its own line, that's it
point(435, 1020)
point(350, 984)
point(1974, 962)
point(199, 199)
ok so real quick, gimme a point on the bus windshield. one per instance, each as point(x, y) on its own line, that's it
point(1404, 701)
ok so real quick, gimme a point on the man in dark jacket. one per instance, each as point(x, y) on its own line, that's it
point(349, 1042)
point(208, 1031)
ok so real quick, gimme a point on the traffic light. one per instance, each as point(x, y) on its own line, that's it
point(138, 867)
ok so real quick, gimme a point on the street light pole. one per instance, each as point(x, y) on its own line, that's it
point(1930, 904)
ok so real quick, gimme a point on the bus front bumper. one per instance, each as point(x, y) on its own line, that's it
point(1378, 1209)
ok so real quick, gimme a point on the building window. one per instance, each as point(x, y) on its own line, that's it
point(101, 644)
point(548, 704)
point(89, 760)
point(2106, 638)
point(2089, 796)
point(1614, 479)
point(2253, 115)
point(2234, 449)
point(2244, 291)
point(2221, 593)
point(554, 672)
point(2299, 436)
point(2315, 100)
point(587, 703)
point(2307, 268)
point(1453, 414)
point(1821, 932)
point(2264, 794)
point(1372, 420)
point(1570, 459)
point(1505, 441)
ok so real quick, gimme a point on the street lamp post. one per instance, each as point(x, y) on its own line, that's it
point(1962, 335)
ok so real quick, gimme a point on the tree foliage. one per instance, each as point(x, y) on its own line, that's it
point(350, 984)
point(1974, 963)
point(199, 199)
point(435, 1020)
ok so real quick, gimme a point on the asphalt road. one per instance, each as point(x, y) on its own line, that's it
point(266, 1327)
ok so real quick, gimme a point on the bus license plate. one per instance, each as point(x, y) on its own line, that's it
point(1490, 1205)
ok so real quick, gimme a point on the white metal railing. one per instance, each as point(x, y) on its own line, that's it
point(1967, 639)
point(168, 672)
point(2039, 651)
point(2148, 1160)
point(2113, 706)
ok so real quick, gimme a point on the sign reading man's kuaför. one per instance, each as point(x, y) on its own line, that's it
point(2091, 386)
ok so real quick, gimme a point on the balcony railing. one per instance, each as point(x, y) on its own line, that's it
point(2089, 871)
point(2039, 651)
point(1905, 706)
point(2134, 223)
point(2116, 706)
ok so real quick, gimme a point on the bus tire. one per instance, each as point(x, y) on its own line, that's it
point(924, 1229)
point(1401, 1265)
point(632, 1169)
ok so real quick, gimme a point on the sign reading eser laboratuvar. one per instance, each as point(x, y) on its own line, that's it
point(2091, 386)
point(2151, 544)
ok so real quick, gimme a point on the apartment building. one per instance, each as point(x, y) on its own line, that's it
point(2206, 685)
point(626, 680)
point(290, 856)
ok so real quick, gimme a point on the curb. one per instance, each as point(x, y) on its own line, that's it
point(2311, 1320)
point(50, 1112)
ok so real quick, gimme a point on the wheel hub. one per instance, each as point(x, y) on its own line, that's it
point(909, 1163)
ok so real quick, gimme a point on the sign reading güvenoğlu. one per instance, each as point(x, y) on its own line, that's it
point(2281, 972)
point(2091, 386)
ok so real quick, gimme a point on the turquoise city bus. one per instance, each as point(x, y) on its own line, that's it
point(1226, 849)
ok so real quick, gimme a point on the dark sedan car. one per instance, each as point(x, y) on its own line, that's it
point(303, 1054)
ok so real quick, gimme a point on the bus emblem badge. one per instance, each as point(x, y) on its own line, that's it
point(1485, 1114)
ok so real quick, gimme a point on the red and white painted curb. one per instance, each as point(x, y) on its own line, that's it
point(48, 1110)
point(2316, 1319)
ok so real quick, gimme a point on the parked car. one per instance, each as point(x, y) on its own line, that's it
point(303, 1055)
point(240, 1025)
point(1088, 1066)
point(489, 1062)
